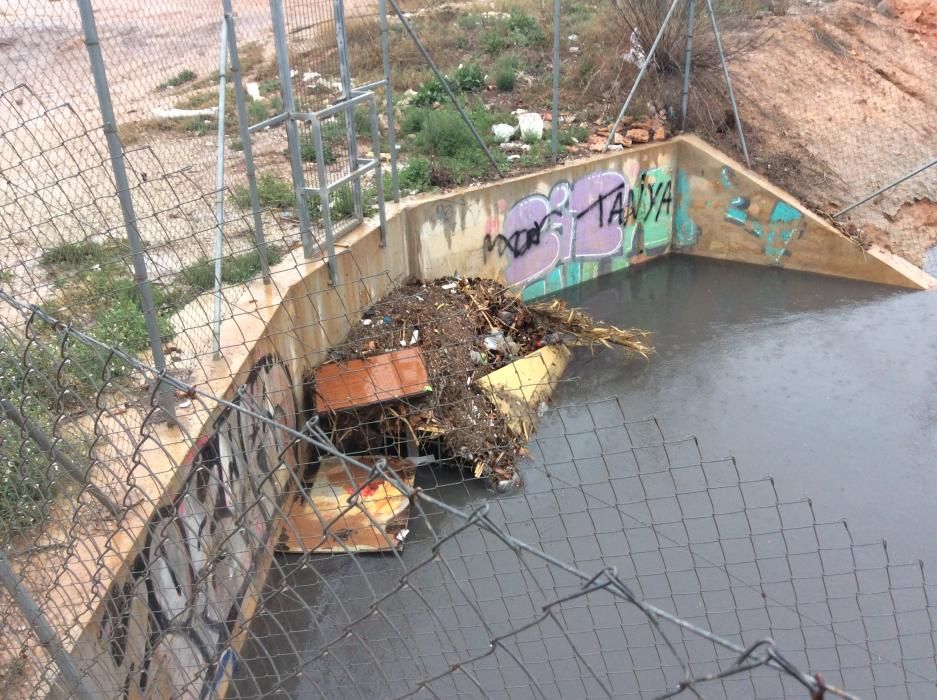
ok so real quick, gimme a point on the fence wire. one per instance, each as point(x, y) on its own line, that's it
point(625, 564)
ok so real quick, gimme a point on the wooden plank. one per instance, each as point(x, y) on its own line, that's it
point(370, 380)
point(318, 522)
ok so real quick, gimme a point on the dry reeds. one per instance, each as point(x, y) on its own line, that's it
point(556, 317)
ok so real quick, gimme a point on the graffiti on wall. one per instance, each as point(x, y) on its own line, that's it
point(168, 629)
point(784, 223)
point(582, 229)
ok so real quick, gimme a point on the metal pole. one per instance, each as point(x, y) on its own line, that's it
point(388, 92)
point(886, 188)
point(46, 445)
point(555, 136)
point(219, 189)
point(341, 41)
point(725, 72)
point(76, 680)
point(248, 150)
point(637, 81)
point(322, 176)
point(292, 132)
point(378, 170)
point(687, 66)
point(444, 83)
point(115, 150)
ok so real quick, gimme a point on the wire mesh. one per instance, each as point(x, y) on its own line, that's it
point(622, 565)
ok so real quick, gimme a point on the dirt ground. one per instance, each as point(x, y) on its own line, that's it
point(839, 101)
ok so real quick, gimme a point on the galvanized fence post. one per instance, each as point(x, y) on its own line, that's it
point(76, 682)
point(725, 73)
point(247, 148)
point(555, 133)
point(219, 189)
point(115, 149)
point(292, 132)
point(688, 64)
point(389, 94)
point(341, 40)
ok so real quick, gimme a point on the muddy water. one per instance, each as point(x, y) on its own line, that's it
point(827, 385)
point(824, 384)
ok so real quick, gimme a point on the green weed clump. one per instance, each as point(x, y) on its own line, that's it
point(273, 193)
point(235, 269)
point(181, 78)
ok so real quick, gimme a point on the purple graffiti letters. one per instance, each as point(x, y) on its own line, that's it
point(586, 219)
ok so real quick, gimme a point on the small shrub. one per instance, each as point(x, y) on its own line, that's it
point(235, 269)
point(505, 77)
point(273, 193)
point(573, 135)
point(27, 480)
point(468, 22)
point(268, 86)
point(236, 145)
point(445, 134)
point(524, 30)
point(307, 151)
point(494, 41)
point(77, 254)
point(413, 121)
point(469, 78)
point(181, 78)
point(430, 93)
point(363, 121)
point(416, 175)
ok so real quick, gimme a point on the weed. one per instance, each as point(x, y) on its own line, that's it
point(79, 253)
point(268, 86)
point(524, 30)
point(413, 121)
point(307, 151)
point(416, 175)
point(536, 156)
point(235, 269)
point(506, 73)
point(181, 78)
point(6, 276)
point(494, 41)
point(445, 134)
point(236, 145)
point(363, 121)
point(469, 78)
point(573, 135)
point(430, 93)
point(468, 22)
point(273, 193)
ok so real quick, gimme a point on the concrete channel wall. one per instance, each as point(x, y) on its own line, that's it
point(540, 233)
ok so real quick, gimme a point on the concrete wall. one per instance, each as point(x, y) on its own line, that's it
point(541, 233)
point(725, 211)
point(143, 631)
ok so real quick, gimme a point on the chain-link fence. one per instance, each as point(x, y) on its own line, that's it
point(157, 160)
point(626, 565)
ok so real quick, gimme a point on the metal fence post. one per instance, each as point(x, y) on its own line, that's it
point(292, 132)
point(115, 150)
point(341, 41)
point(77, 682)
point(389, 94)
point(555, 135)
point(688, 64)
point(725, 73)
point(219, 189)
point(248, 150)
point(637, 81)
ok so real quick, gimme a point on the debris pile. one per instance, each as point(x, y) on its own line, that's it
point(406, 382)
point(643, 130)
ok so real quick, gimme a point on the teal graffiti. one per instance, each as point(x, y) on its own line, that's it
point(685, 229)
point(785, 223)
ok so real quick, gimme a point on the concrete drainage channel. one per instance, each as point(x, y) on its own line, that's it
point(620, 561)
